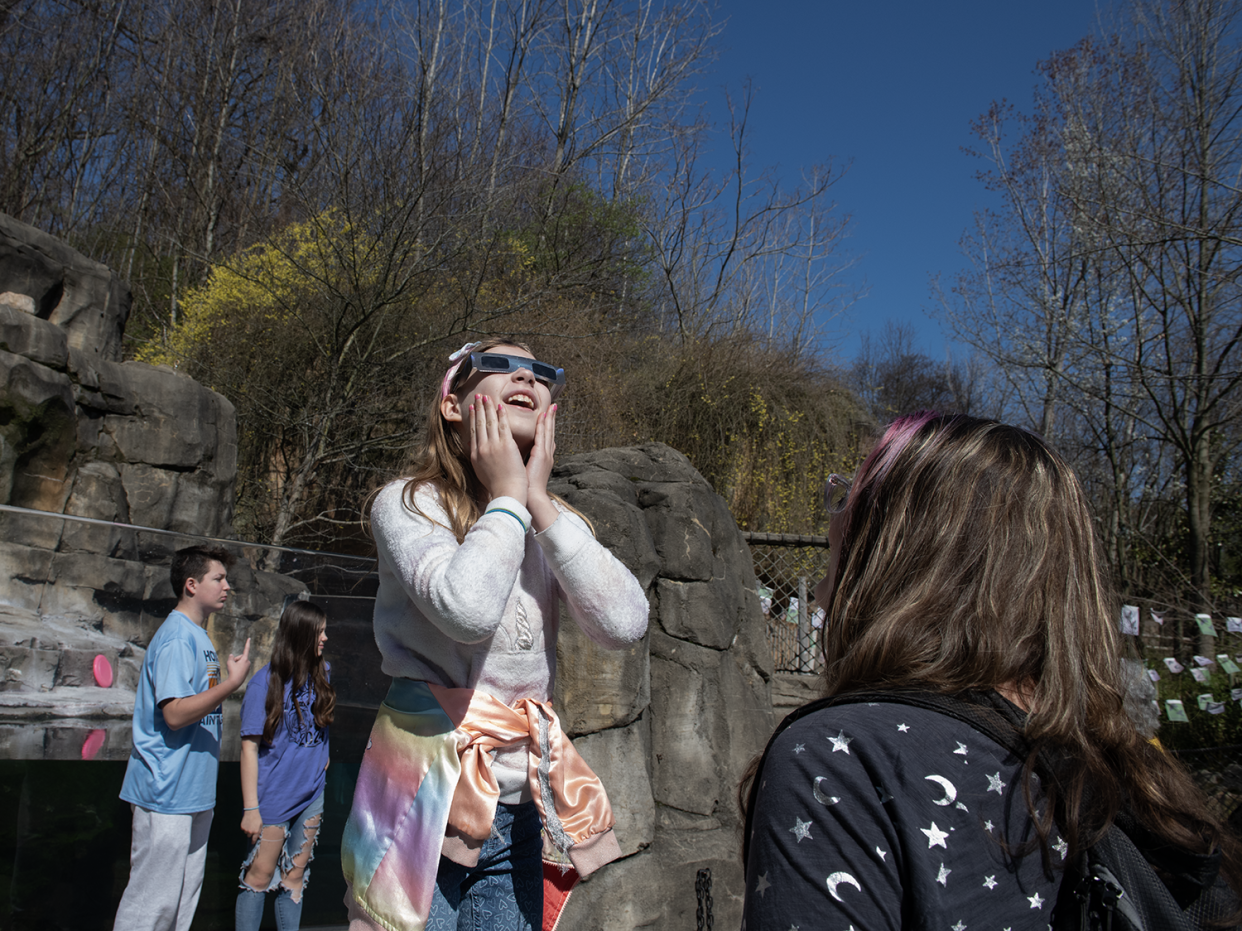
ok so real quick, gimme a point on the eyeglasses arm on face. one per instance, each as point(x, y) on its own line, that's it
point(836, 493)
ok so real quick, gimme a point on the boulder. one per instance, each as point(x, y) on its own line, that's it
point(47, 278)
point(680, 715)
point(38, 340)
point(82, 432)
point(620, 757)
point(105, 443)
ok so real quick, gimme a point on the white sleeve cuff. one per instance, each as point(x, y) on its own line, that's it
point(509, 509)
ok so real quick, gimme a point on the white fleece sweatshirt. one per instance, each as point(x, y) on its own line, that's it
point(482, 614)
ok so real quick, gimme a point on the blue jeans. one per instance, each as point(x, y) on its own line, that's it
point(504, 891)
point(249, 912)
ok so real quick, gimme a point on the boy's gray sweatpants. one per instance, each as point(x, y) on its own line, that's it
point(167, 857)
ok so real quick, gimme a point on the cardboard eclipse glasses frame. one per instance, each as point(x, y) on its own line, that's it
point(496, 362)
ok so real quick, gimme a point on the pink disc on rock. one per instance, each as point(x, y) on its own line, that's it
point(93, 743)
point(103, 672)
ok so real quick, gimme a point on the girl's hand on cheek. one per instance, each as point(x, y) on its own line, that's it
point(539, 469)
point(539, 464)
point(494, 453)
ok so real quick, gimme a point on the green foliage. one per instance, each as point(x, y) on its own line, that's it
point(310, 335)
point(763, 426)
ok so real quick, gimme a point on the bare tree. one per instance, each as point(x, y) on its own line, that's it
point(1107, 288)
point(741, 252)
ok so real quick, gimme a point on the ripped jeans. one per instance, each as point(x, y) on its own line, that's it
point(297, 838)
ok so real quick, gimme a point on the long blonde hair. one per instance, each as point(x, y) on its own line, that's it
point(443, 461)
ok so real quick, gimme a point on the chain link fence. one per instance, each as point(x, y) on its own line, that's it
point(787, 569)
point(788, 566)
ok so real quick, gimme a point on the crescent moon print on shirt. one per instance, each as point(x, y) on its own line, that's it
point(888, 816)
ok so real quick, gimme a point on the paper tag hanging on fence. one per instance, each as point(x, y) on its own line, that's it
point(1130, 620)
point(1216, 707)
point(765, 599)
point(1158, 617)
point(1174, 666)
point(1233, 625)
point(1204, 699)
point(817, 619)
point(1176, 711)
point(1227, 664)
point(1205, 625)
point(1201, 675)
point(1153, 675)
point(791, 613)
point(1203, 660)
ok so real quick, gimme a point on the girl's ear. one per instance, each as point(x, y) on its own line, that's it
point(451, 410)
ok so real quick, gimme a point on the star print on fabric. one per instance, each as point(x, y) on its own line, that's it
point(960, 926)
point(762, 885)
point(798, 748)
point(801, 829)
point(882, 853)
point(961, 749)
point(903, 728)
point(943, 876)
point(1061, 847)
point(996, 785)
point(1036, 900)
point(935, 836)
point(884, 797)
point(990, 881)
point(840, 742)
point(987, 826)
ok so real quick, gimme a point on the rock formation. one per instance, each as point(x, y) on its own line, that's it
point(670, 724)
point(83, 433)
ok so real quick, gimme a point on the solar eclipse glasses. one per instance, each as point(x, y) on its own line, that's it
point(495, 362)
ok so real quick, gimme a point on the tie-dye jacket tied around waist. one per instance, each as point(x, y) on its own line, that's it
point(426, 788)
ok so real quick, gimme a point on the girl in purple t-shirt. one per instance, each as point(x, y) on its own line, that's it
point(284, 728)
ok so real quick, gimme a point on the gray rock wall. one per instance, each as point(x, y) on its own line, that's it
point(670, 724)
point(85, 434)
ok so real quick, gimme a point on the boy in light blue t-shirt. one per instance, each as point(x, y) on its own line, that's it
point(171, 779)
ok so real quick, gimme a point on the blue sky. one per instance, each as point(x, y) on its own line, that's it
point(892, 88)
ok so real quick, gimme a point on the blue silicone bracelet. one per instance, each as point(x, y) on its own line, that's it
point(510, 513)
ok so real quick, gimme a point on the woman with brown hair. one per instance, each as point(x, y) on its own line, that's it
point(963, 564)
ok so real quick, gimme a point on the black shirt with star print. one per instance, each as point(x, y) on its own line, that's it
point(888, 816)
